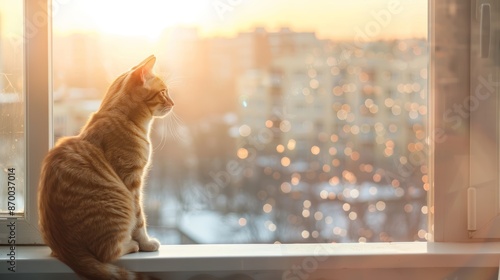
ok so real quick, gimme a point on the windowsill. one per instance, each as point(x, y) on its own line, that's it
point(242, 258)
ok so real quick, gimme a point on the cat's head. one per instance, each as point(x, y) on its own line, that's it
point(155, 92)
point(141, 89)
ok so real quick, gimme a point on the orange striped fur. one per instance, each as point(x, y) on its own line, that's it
point(89, 195)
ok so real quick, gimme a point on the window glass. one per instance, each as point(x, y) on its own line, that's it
point(12, 112)
point(294, 122)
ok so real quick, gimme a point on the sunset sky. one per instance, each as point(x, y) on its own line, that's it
point(328, 18)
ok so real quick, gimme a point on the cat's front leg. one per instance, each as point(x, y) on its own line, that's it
point(146, 243)
point(139, 233)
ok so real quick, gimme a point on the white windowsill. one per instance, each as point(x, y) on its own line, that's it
point(217, 258)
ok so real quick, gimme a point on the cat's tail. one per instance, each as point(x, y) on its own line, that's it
point(86, 265)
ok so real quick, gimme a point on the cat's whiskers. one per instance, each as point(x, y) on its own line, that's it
point(173, 81)
point(162, 137)
point(172, 126)
point(177, 128)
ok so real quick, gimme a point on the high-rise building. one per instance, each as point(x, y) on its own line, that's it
point(327, 110)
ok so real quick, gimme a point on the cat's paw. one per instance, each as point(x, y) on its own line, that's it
point(150, 246)
point(134, 247)
point(130, 247)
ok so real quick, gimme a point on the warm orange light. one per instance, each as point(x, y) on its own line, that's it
point(223, 18)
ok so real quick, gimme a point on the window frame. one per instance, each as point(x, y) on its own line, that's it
point(444, 159)
point(450, 154)
point(483, 193)
point(37, 89)
point(453, 82)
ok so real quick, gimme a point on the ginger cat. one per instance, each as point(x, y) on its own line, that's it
point(89, 195)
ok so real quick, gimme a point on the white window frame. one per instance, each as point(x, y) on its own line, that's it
point(483, 204)
point(457, 213)
point(450, 153)
point(449, 162)
point(37, 89)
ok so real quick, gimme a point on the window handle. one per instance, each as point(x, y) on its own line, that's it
point(471, 210)
point(484, 30)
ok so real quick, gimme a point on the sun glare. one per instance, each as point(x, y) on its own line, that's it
point(137, 18)
point(329, 19)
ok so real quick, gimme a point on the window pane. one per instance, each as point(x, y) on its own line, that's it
point(12, 148)
point(293, 122)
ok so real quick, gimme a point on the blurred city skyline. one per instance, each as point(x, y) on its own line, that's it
point(327, 136)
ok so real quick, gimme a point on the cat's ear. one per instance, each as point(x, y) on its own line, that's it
point(144, 70)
